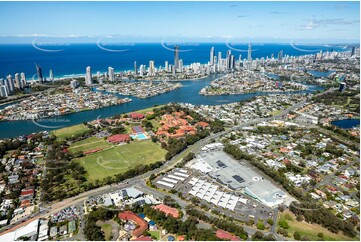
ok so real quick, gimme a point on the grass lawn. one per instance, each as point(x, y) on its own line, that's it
point(107, 229)
point(70, 131)
point(119, 159)
point(155, 233)
point(309, 230)
point(89, 144)
point(276, 112)
point(146, 109)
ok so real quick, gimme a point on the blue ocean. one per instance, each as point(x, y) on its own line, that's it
point(72, 59)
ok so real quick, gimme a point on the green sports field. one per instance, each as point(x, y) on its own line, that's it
point(119, 159)
point(70, 131)
point(89, 144)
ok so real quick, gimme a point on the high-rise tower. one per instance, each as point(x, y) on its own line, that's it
point(88, 77)
point(249, 57)
point(211, 57)
point(39, 73)
point(176, 57)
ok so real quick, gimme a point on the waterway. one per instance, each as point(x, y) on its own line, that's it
point(346, 123)
point(187, 94)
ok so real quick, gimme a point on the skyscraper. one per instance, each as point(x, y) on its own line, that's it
point(23, 79)
point(111, 74)
point(39, 73)
point(10, 84)
point(280, 55)
point(180, 64)
point(353, 51)
point(166, 66)
point(249, 57)
point(51, 75)
point(176, 57)
point(135, 68)
point(151, 71)
point(3, 91)
point(18, 83)
point(88, 77)
point(211, 57)
point(219, 58)
point(141, 70)
point(228, 59)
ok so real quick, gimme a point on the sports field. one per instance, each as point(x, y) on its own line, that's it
point(119, 159)
point(89, 144)
point(70, 131)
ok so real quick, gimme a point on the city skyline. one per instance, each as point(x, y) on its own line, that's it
point(276, 22)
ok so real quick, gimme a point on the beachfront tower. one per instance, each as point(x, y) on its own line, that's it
point(18, 83)
point(211, 57)
point(111, 74)
point(23, 79)
point(135, 68)
point(39, 73)
point(249, 57)
point(228, 59)
point(166, 66)
point(51, 75)
point(280, 55)
point(176, 57)
point(88, 76)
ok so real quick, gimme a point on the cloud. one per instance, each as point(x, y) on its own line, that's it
point(278, 12)
point(233, 6)
point(317, 23)
point(242, 16)
point(342, 6)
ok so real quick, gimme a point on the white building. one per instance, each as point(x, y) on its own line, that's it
point(111, 74)
point(88, 77)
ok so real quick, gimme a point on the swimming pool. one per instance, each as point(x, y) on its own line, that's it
point(142, 136)
point(139, 136)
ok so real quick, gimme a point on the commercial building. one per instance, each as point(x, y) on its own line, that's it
point(238, 176)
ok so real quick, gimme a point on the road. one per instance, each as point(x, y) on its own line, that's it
point(55, 207)
point(328, 179)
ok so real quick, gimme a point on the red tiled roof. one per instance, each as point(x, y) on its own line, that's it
point(203, 124)
point(143, 238)
point(119, 138)
point(225, 235)
point(27, 192)
point(167, 210)
point(137, 115)
point(143, 225)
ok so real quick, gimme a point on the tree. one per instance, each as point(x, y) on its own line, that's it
point(260, 225)
point(258, 236)
point(269, 237)
point(270, 221)
point(283, 224)
point(297, 235)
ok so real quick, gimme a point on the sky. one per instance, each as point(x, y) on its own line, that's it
point(316, 22)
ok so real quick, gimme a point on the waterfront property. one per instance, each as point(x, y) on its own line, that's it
point(71, 131)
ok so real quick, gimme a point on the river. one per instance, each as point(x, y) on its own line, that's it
point(187, 94)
